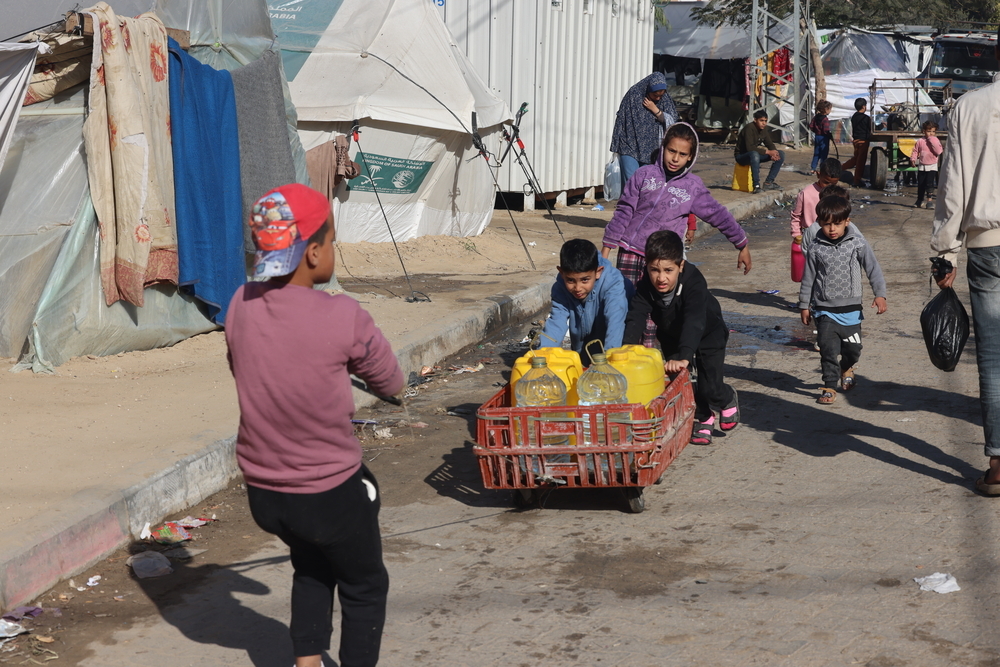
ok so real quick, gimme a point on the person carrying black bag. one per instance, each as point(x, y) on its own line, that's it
point(967, 214)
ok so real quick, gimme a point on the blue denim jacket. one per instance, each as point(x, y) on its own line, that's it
point(601, 316)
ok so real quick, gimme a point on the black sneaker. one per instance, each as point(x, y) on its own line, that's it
point(771, 185)
point(757, 190)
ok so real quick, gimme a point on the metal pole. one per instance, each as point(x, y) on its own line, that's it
point(797, 75)
point(754, 54)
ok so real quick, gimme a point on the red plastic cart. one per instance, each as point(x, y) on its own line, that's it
point(630, 445)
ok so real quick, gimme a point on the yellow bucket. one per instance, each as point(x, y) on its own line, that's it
point(564, 363)
point(643, 368)
point(743, 178)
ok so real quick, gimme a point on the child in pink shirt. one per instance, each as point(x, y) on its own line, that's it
point(292, 350)
point(804, 209)
point(925, 158)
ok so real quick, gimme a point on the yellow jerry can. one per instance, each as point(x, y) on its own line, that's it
point(643, 367)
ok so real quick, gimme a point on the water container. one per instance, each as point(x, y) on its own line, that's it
point(601, 384)
point(540, 387)
point(564, 363)
point(798, 262)
point(643, 368)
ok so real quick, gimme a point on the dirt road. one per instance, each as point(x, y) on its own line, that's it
point(792, 541)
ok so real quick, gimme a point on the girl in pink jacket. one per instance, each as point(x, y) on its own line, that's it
point(925, 158)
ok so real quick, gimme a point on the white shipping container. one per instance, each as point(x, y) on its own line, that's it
point(571, 61)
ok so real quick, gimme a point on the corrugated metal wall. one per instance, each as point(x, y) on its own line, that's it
point(571, 61)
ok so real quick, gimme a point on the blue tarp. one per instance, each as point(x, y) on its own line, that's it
point(208, 196)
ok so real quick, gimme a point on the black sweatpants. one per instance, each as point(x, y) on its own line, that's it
point(335, 544)
point(711, 389)
point(839, 348)
point(926, 183)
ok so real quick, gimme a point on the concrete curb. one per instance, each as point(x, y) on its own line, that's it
point(753, 204)
point(37, 554)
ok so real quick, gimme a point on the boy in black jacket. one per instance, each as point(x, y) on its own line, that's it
point(861, 136)
point(690, 329)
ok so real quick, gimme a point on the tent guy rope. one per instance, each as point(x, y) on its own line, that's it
point(415, 296)
point(477, 141)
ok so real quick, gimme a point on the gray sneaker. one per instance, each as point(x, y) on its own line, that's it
point(771, 185)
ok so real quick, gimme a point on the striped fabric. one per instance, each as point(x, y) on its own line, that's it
point(633, 267)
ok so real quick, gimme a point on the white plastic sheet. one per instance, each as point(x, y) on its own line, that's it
point(42, 186)
point(684, 37)
point(17, 62)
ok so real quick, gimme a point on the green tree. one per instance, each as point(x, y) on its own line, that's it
point(860, 13)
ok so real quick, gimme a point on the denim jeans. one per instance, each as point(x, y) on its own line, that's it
point(821, 150)
point(754, 158)
point(984, 287)
point(628, 164)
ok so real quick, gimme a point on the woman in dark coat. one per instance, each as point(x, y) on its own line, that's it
point(643, 116)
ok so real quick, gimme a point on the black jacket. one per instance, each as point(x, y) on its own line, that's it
point(693, 320)
point(861, 126)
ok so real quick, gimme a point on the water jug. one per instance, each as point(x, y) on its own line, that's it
point(601, 384)
point(540, 387)
point(643, 368)
point(798, 262)
point(564, 363)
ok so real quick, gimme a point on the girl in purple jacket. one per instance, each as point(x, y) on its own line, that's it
point(660, 196)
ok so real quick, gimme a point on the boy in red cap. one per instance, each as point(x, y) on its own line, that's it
point(291, 350)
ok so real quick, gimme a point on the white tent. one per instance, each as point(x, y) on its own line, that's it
point(853, 61)
point(393, 66)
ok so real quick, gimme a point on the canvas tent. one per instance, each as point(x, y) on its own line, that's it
point(51, 302)
point(852, 62)
point(415, 121)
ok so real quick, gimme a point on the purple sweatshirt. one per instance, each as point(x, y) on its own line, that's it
point(652, 202)
point(291, 350)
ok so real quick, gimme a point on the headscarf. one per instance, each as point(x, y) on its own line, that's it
point(637, 133)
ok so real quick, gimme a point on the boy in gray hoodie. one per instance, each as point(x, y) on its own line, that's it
point(831, 282)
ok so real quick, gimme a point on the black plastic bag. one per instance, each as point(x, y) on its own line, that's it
point(945, 325)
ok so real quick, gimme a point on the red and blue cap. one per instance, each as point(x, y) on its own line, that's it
point(281, 223)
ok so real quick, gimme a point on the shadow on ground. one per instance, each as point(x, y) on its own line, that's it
point(202, 602)
point(825, 432)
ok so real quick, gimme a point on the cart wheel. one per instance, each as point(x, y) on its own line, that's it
point(523, 498)
point(879, 168)
point(636, 503)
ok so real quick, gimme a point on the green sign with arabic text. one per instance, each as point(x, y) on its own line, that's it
point(390, 175)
